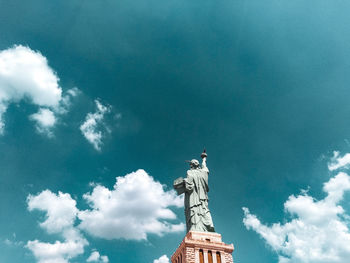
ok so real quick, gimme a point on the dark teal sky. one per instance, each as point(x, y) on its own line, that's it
point(263, 85)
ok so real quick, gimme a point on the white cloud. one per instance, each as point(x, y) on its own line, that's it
point(45, 119)
point(58, 252)
point(317, 233)
point(96, 257)
point(137, 206)
point(94, 124)
point(61, 213)
point(60, 210)
point(26, 76)
point(339, 162)
point(162, 259)
point(25, 73)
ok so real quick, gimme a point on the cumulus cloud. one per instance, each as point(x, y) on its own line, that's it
point(94, 125)
point(318, 231)
point(137, 206)
point(96, 257)
point(61, 213)
point(58, 252)
point(26, 75)
point(162, 259)
point(60, 210)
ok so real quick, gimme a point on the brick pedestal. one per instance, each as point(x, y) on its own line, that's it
point(196, 247)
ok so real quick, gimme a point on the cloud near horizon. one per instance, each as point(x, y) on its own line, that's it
point(319, 229)
point(61, 214)
point(162, 259)
point(136, 206)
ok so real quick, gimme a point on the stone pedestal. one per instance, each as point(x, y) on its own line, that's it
point(203, 247)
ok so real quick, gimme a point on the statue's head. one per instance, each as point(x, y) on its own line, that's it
point(194, 164)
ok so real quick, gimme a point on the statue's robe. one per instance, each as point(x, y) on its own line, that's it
point(198, 217)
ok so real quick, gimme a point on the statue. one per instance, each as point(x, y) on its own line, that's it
point(195, 187)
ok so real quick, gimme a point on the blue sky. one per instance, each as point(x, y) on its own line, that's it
point(91, 91)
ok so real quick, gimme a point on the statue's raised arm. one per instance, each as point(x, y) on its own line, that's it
point(204, 156)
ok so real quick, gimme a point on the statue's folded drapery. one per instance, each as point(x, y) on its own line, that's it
point(197, 213)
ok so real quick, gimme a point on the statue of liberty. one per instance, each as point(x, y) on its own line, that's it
point(195, 186)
